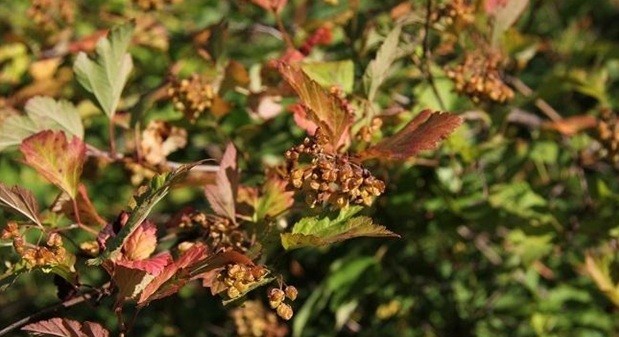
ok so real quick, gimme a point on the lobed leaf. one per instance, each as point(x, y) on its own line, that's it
point(57, 159)
point(21, 200)
point(339, 73)
point(106, 75)
point(42, 113)
point(315, 232)
point(422, 133)
point(64, 327)
point(323, 108)
point(222, 195)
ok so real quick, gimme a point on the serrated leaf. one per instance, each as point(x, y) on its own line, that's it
point(505, 15)
point(422, 133)
point(20, 200)
point(42, 113)
point(64, 327)
point(142, 242)
point(55, 115)
point(222, 196)
point(339, 73)
point(323, 108)
point(378, 69)
point(106, 75)
point(274, 199)
point(158, 187)
point(57, 159)
point(315, 232)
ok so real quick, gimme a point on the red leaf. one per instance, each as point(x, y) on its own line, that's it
point(300, 118)
point(222, 195)
point(424, 132)
point(58, 160)
point(271, 5)
point(164, 284)
point(63, 327)
point(141, 243)
point(153, 265)
point(323, 108)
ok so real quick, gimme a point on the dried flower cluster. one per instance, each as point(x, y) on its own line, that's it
point(254, 320)
point(218, 232)
point(456, 13)
point(49, 14)
point(237, 278)
point(608, 136)
point(50, 254)
point(479, 77)
point(277, 298)
point(191, 96)
point(330, 178)
point(159, 139)
point(367, 131)
point(154, 4)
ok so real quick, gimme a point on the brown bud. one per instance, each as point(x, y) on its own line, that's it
point(284, 311)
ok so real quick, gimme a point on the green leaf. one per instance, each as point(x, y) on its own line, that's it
point(378, 70)
point(106, 75)
point(340, 73)
point(314, 231)
point(42, 113)
point(158, 187)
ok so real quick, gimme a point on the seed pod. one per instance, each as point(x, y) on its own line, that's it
point(284, 311)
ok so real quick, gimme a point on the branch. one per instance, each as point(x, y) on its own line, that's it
point(540, 103)
point(94, 293)
point(425, 66)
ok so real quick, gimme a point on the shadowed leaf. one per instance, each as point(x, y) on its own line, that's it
point(222, 195)
point(88, 213)
point(63, 327)
point(54, 157)
point(20, 200)
point(424, 132)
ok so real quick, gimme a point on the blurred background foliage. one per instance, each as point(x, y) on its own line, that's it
point(508, 230)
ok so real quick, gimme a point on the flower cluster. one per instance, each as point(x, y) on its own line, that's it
point(50, 254)
point(456, 13)
point(479, 77)
point(367, 131)
point(238, 278)
point(191, 96)
point(159, 139)
point(254, 320)
point(608, 136)
point(330, 178)
point(154, 4)
point(218, 232)
point(277, 298)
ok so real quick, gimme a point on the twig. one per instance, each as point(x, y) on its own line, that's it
point(79, 221)
point(112, 135)
point(282, 29)
point(540, 103)
point(105, 290)
point(425, 65)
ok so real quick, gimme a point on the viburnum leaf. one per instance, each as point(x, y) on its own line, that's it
point(106, 75)
point(20, 200)
point(271, 5)
point(57, 159)
point(378, 69)
point(340, 73)
point(422, 133)
point(222, 195)
point(42, 113)
point(64, 327)
point(274, 199)
point(323, 107)
point(142, 242)
point(314, 231)
point(157, 188)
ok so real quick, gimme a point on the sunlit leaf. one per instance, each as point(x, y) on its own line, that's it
point(422, 133)
point(338, 73)
point(57, 159)
point(315, 232)
point(106, 75)
point(64, 327)
point(21, 201)
point(505, 15)
point(323, 107)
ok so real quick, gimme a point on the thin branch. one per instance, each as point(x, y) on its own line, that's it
point(425, 65)
point(95, 293)
point(540, 103)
